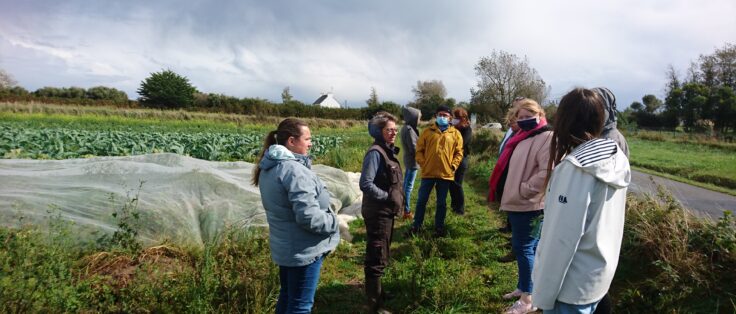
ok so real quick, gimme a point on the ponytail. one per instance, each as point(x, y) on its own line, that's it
point(267, 142)
point(288, 128)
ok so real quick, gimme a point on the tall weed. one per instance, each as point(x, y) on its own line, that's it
point(671, 260)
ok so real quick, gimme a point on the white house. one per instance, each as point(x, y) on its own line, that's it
point(327, 100)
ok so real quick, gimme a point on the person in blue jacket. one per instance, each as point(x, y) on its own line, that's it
point(302, 228)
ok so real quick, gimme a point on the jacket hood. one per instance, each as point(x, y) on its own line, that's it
point(610, 108)
point(604, 160)
point(411, 116)
point(279, 153)
point(375, 133)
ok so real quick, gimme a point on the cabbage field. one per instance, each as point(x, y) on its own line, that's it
point(26, 140)
point(194, 178)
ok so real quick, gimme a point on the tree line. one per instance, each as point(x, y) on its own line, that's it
point(502, 76)
point(703, 100)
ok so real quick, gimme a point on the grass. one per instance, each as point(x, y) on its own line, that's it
point(234, 273)
point(692, 161)
point(175, 117)
point(456, 274)
point(673, 262)
point(670, 262)
point(45, 271)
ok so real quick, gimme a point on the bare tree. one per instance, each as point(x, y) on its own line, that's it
point(428, 95)
point(503, 76)
point(425, 90)
point(6, 80)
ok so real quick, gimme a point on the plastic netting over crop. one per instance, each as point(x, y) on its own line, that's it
point(182, 199)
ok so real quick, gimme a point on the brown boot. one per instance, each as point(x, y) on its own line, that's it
point(374, 297)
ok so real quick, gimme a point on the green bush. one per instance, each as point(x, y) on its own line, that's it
point(486, 142)
point(166, 90)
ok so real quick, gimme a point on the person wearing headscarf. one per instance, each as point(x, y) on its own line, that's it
point(609, 128)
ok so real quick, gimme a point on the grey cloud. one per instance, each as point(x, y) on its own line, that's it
point(255, 48)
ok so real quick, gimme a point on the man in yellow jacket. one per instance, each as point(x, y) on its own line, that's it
point(439, 153)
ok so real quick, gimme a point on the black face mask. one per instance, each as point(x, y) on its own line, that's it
point(528, 124)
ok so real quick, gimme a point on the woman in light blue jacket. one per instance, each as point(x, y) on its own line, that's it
point(302, 228)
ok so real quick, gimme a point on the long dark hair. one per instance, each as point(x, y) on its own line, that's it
point(579, 118)
point(289, 127)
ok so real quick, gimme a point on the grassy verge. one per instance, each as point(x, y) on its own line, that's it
point(673, 262)
point(670, 261)
point(695, 162)
point(685, 138)
point(708, 186)
point(44, 271)
point(162, 115)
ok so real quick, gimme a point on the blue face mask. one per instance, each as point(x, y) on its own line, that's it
point(443, 121)
point(528, 124)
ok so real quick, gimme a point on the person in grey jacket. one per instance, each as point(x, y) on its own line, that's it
point(302, 228)
point(409, 135)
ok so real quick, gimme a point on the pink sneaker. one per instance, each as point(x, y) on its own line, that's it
point(512, 295)
point(521, 307)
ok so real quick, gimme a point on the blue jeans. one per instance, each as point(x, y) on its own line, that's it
point(409, 177)
point(298, 285)
point(425, 188)
point(564, 308)
point(524, 246)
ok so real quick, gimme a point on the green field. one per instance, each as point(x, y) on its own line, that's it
point(696, 162)
point(42, 270)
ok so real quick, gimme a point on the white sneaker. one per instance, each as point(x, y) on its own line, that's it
point(521, 307)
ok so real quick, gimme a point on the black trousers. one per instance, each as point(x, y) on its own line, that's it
point(457, 195)
point(379, 231)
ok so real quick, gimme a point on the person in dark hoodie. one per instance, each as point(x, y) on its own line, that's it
point(409, 135)
point(383, 199)
point(302, 228)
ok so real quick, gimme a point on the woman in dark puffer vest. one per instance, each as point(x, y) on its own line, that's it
point(383, 199)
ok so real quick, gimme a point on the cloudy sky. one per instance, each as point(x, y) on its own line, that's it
point(256, 48)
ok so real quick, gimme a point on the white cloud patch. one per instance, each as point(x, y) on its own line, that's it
point(255, 48)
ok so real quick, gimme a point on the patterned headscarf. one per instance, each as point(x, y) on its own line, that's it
point(609, 101)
